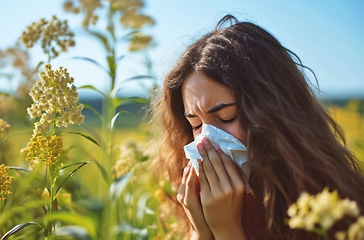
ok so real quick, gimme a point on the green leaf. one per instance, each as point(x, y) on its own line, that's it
point(118, 87)
point(103, 39)
point(75, 219)
point(70, 176)
point(85, 136)
point(102, 170)
point(112, 66)
point(119, 101)
point(112, 123)
point(126, 227)
point(118, 186)
point(13, 134)
point(92, 61)
point(19, 169)
point(127, 37)
point(36, 69)
point(119, 58)
point(92, 88)
point(76, 232)
point(93, 110)
point(56, 167)
point(19, 227)
point(142, 207)
point(137, 78)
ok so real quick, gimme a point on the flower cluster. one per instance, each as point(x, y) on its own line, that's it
point(355, 232)
point(44, 148)
point(131, 17)
point(17, 58)
point(55, 100)
point(63, 199)
point(5, 182)
point(53, 31)
point(7, 104)
point(130, 153)
point(139, 41)
point(87, 6)
point(4, 127)
point(322, 210)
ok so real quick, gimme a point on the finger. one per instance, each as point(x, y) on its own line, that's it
point(191, 197)
point(230, 167)
point(204, 183)
point(182, 186)
point(215, 160)
point(208, 168)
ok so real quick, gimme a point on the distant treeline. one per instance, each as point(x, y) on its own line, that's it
point(139, 112)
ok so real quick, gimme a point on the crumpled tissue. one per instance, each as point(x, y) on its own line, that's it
point(230, 145)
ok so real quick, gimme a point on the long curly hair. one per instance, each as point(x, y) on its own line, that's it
point(293, 144)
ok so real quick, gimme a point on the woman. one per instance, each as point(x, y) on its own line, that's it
point(242, 80)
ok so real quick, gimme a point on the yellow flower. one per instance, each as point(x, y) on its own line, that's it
point(17, 59)
point(55, 99)
point(130, 153)
point(87, 6)
point(47, 149)
point(296, 222)
point(64, 199)
point(7, 104)
point(5, 182)
point(46, 196)
point(322, 210)
point(159, 195)
point(340, 235)
point(54, 36)
point(132, 19)
point(139, 41)
point(4, 127)
point(356, 231)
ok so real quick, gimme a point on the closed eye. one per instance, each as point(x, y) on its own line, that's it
point(227, 120)
point(197, 127)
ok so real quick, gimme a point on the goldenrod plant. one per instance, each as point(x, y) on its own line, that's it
point(49, 168)
point(319, 213)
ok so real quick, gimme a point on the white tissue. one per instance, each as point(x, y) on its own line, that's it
point(227, 142)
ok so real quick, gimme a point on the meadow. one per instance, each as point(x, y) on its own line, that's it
point(78, 168)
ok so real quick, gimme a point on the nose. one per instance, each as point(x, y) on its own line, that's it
point(197, 133)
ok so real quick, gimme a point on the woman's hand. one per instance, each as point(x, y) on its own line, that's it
point(222, 193)
point(189, 197)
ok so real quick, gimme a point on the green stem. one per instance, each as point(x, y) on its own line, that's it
point(2, 230)
point(321, 232)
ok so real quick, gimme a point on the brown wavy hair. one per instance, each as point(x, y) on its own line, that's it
point(293, 144)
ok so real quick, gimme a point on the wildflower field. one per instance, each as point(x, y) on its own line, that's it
point(72, 170)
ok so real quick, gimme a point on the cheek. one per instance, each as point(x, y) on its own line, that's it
point(237, 132)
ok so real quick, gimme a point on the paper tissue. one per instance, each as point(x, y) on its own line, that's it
point(227, 142)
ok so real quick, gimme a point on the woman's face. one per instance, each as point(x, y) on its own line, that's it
point(208, 102)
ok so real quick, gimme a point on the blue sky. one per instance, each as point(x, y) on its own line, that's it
point(327, 35)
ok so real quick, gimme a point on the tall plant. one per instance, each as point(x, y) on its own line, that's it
point(55, 106)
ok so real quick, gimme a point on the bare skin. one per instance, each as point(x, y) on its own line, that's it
point(213, 201)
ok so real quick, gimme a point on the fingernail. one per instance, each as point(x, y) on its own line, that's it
point(217, 147)
point(205, 141)
point(179, 197)
point(199, 146)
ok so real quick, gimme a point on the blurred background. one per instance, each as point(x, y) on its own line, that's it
point(326, 35)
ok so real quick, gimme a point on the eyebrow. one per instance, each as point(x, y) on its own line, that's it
point(213, 109)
